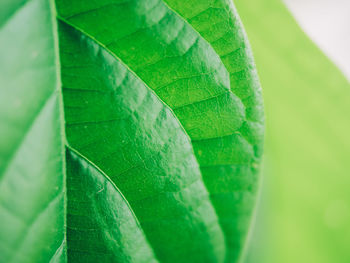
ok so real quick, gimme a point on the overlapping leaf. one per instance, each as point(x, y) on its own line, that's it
point(188, 172)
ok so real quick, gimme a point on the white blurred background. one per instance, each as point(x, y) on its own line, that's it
point(327, 22)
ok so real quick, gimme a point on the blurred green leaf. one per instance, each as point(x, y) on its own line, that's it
point(307, 111)
point(31, 165)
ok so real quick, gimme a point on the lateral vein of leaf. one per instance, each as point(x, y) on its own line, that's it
point(96, 9)
point(200, 101)
point(107, 178)
point(58, 250)
point(90, 252)
point(203, 11)
point(249, 165)
point(116, 189)
point(22, 239)
point(32, 122)
point(92, 122)
point(189, 185)
point(230, 89)
point(14, 13)
point(124, 64)
point(220, 137)
point(182, 78)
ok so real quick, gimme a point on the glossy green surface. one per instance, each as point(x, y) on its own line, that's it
point(217, 100)
point(307, 147)
point(157, 108)
point(217, 22)
point(120, 125)
point(101, 226)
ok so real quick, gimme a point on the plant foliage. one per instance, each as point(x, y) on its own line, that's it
point(307, 143)
point(131, 131)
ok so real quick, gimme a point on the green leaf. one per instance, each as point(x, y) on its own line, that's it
point(119, 124)
point(186, 73)
point(217, 22)
point(31, 166)
point(8, 8)
point(158, 108)
point(308, 147)
point(101, 225)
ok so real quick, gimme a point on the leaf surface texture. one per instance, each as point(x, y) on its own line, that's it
point(150, 126)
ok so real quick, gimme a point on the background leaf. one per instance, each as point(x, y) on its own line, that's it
point(31, 167)
point(308, 146)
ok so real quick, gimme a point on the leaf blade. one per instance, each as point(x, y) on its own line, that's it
point(219, 24)
point(31, 168)
point(120, 124)
point(101, 224)
point(187, 74)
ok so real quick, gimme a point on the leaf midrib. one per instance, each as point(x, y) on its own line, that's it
point(53, 12)
point(65, 144)
point(60, 18)
point(63, 20)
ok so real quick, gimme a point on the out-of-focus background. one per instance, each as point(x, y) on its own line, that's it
point(327, 23)
point(303, 214)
